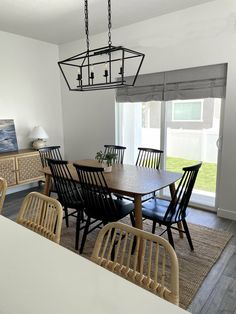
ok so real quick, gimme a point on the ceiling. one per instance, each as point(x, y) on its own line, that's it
point(60, 21)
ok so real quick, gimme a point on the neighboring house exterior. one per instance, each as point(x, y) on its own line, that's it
point(192, 127)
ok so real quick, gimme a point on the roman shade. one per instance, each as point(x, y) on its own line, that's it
point(192, 83)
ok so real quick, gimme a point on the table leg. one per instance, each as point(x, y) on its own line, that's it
point(47, 185)
point(138, 222)
point(179, 224)
point(138, 211)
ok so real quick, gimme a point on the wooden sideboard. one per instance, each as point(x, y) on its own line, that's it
point(20, 167)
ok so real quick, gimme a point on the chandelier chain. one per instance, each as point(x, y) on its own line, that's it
point(98, 69)
point(86, 22)
point(109, 23)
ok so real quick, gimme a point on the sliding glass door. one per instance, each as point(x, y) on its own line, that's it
point(187, 130)
point(192, 135)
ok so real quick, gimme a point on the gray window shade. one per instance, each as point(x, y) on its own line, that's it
point(192, 83)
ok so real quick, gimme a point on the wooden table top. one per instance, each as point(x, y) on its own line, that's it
point(130, 180)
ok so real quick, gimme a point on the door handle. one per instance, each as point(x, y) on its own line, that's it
point(219, 143)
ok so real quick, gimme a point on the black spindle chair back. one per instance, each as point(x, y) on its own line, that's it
point(118, 150)
point(149, 157)
point(51, 152)
point(177, 208)
point(96, 194)
point(67, 189)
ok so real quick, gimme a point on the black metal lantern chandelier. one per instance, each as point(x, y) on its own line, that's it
point(102, 68)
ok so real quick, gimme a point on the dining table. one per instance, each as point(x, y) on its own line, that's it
point(38, 276)
point(127, 180)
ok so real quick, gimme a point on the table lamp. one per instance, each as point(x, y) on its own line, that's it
point(39, 136)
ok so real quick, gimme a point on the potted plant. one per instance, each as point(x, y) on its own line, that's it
point(106, 159)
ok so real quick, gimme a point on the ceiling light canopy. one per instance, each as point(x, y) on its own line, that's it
point(101, 68)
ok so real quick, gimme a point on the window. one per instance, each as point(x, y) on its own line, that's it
point(187, 110)
point(150, 112)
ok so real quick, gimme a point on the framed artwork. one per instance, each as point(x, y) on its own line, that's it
point(8, 141)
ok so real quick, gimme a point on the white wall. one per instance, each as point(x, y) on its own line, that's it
point(201, 35)
point(89, 122)
point(30, 87)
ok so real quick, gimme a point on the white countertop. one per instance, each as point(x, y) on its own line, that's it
point(38, 276)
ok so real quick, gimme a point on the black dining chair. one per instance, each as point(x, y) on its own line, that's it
point(99, 204)
point(52, 152)
point(115, 149)
point(170, 213)
point(149, 157)
point(68, 192)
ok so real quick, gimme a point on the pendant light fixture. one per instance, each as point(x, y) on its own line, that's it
point(101, 68)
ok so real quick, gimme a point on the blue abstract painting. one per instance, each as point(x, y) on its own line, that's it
point(8, 141)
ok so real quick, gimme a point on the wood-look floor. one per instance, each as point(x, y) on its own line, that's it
point(218, 291)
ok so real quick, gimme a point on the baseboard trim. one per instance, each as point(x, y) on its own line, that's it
point(228, 214)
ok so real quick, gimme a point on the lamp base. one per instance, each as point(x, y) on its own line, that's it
point(37, 144)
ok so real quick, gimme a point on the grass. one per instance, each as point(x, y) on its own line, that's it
point(206, 179)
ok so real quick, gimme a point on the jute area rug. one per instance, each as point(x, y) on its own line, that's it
point(193, 266)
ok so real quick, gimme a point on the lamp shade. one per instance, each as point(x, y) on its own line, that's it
point(38, 133)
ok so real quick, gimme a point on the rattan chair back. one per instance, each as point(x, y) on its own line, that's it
point(3, 190)
point(153, 265)
point(41, 214)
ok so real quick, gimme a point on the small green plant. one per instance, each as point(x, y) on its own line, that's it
point(108, 157)
point(99, 156)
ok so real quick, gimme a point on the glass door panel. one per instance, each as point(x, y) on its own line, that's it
point(192, 132)
point(151, 124)
point(138, 124)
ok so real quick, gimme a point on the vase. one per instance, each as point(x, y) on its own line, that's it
point(107, 168)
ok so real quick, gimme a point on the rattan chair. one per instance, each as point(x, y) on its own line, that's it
point(3, 189)
point(170, 213)
point(153, 265)
point(115, 149)
point(41, 214)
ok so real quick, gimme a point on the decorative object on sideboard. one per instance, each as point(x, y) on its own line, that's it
point(8, 141)
point(106, 160)
point(39, 136)
point(101, 68)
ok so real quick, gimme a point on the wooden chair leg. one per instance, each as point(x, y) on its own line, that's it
point(154, 227)
point(132, 219)
point(188, 234)
point(66, 216)
point(82, 216)
point(86, 229)
point(170, 237)
point(78, 218)
point(114, 245)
